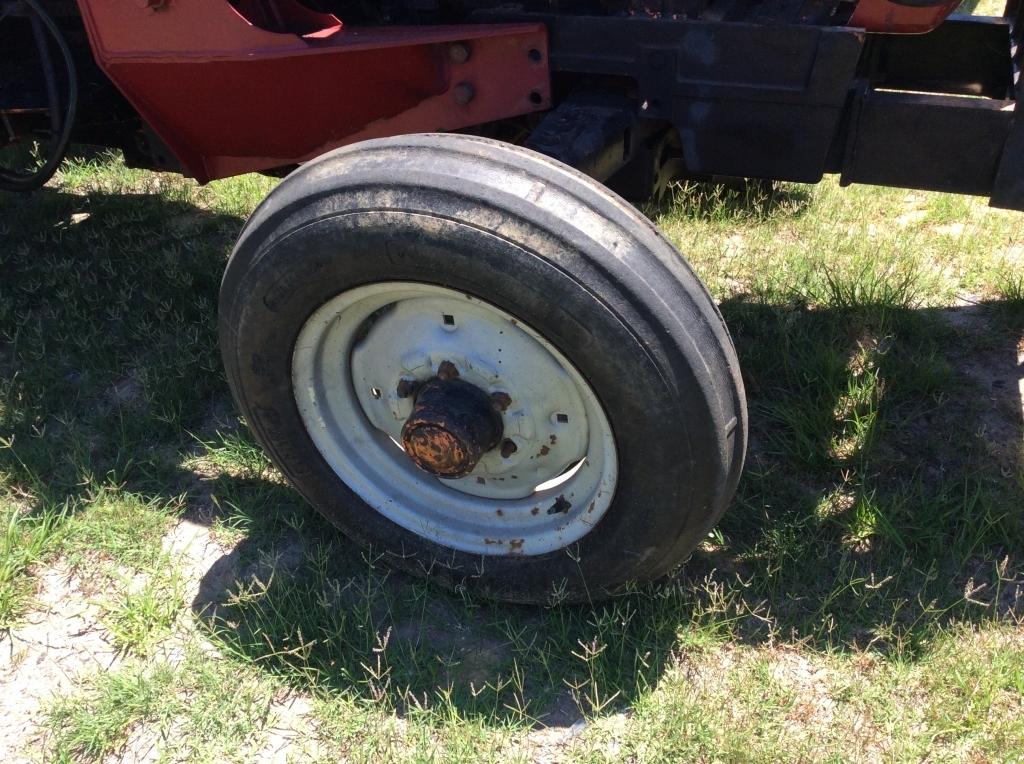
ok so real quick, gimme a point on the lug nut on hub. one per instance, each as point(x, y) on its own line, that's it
point(407, 387)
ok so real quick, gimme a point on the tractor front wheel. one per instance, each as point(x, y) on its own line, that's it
point(485, 365)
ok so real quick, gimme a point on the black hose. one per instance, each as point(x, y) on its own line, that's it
point(61, 128)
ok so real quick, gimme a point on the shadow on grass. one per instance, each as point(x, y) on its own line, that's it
point(881, 502)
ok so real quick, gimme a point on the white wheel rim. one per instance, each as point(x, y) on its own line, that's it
point(349, 360)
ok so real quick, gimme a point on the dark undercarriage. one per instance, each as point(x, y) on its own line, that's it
point(459, 11)
point(645, 92)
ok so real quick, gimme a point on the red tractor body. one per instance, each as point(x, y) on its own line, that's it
point(228, 97)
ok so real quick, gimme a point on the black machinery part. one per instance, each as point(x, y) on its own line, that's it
point(61, 120)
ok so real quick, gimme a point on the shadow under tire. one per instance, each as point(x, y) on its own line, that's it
point(579, 290)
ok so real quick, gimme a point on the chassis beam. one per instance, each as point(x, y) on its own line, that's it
point(932, 112)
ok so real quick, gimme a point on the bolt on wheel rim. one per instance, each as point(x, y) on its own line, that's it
point(356, 369)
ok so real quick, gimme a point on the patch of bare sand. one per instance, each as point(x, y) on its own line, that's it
point(60, 641)
point(551, 745)
point(63, 641)
point(292, 729)
point(289, 736)
point(194, 547)
point(290, 722)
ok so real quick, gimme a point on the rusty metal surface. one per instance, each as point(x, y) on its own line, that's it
point(453, 424)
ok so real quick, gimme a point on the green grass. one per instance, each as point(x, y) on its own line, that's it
point(24, 541)
point(200, 710)
point(861, 600)
point(97, 722)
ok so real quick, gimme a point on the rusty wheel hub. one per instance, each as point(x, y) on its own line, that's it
point(453, 424)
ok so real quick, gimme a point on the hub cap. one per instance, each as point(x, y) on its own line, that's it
point(454, 420)
point(451, 427)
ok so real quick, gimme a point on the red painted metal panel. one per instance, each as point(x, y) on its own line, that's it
point(228, 97)
point(896, 18)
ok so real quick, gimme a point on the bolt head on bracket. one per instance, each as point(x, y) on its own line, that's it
point(463, 93)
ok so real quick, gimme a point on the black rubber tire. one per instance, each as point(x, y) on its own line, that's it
point(549, 246)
